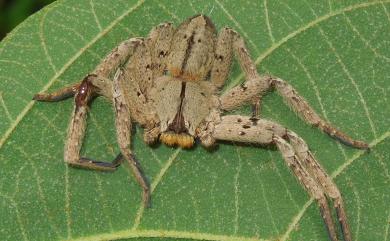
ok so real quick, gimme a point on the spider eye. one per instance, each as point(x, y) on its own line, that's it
point(162, 54)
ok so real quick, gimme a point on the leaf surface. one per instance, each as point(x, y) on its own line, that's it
point(335, 53)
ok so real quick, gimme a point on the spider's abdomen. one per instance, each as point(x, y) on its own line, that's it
point(192, 49)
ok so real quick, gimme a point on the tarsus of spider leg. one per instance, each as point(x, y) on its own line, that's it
point(58, 95)
point(300, 105)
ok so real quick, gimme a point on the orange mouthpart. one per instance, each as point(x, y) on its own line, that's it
point(174, 139)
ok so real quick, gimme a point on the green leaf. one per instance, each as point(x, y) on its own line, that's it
point(335, 53)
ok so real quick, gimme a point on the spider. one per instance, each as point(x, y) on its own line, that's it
point(169, 84)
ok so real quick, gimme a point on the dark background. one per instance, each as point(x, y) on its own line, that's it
point(13, 12)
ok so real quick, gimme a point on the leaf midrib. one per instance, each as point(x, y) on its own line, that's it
point(152, 233)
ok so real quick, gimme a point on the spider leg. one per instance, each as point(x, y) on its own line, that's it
point(77, 129)
point(227, 42)
point(139, 76)
point(104, 71)
point(159, 44)
point(255, 86)
point(296, 165)
point(96, 83)
point(300, 105)
point(297, 156)
point(123, 130)
point(222, 58)
point(322, 178)
point(58, 95)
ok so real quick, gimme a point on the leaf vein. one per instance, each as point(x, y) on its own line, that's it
point(365, 41)
point(40, 193)
point(67, 203)
point(59, 132)
point(163, 7)
point(267, 206)
point(355, 85)
point(155, 157)
point(25, 46)
point(104, 205)
point(101, 134)
point(383, 164)
point(10, 118)
point(12, 202)
point(17, 180)
point(267, 20)
point(386, 12)
point(95, 15)
point(358, 208)
point(43, 40)
point(236, 192)
point(283, 181)
point(292, 11)
point(24, 68)
point(97, 56)
point(386, 233)
point(196, 210)
point(157, 179)
point(317, 93)
point(330, 6)
point(192, 7)
point(127, 29)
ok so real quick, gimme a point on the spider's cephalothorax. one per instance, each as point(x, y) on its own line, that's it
point(182, 99)
point(169, 84)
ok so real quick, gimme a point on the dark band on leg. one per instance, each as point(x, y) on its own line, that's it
point(87, 163)
point(141, 178)
point(343, 138)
